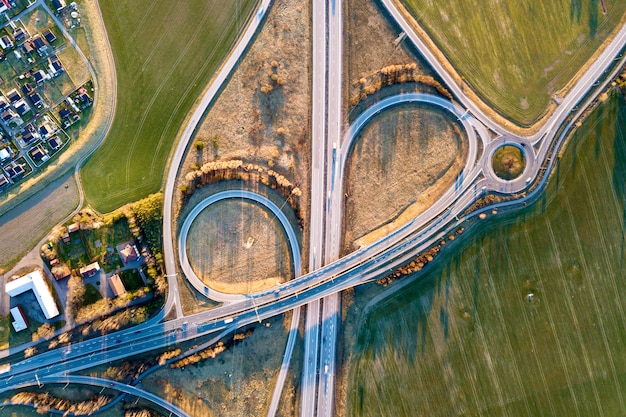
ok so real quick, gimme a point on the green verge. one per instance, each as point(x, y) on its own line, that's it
point(165, 53)
point(517, 54)
point(466, 338)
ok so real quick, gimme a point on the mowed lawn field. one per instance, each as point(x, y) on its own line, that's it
point(517, 54)
point(165, 53)
point(467, 338)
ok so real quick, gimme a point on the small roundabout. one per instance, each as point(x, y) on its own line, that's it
point(217, 250)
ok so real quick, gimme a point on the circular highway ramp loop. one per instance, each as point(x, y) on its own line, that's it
point(191, 276)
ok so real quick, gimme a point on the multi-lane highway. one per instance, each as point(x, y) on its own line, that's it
point(366, 264)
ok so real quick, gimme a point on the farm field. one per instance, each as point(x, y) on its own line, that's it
point(164, 55)
point(516, 55)
point(525, 315)
point(21, 228)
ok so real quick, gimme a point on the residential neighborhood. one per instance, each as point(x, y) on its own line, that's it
point(35, 109)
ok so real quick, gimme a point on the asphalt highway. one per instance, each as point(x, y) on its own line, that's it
point(364, 265)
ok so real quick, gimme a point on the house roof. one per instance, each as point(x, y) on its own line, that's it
point(19, 34)
point(129, 253)
point(13, 96)
point(117, 286)
point(21, 106)
point(3, 180)
point(90, 270)
point(54, 142)
point(27, 47)
point(35, 282)
point(49, 36)
point(64, 113)
point(7, 115)
point(37, 153)
point(4, 154)
point(38, 42)
point(55, 63)
point(35, 98)
point(6, 42)
point(73, 228)
point(19, 321)
point(27, 88)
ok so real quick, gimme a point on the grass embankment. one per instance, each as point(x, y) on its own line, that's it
point(517, 54)
point(508, 162)
point(164, 57)
point(466, 339)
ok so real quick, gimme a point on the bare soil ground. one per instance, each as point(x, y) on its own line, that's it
point(402, 162)
point(238, 247)
point(263, 113)
point(238, 382)
point(22, 227)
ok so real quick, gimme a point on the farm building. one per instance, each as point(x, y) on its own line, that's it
point(34, 281)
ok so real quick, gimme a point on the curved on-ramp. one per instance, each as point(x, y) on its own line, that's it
point(228, 195)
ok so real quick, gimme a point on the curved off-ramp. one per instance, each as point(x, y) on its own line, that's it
point(191, 276)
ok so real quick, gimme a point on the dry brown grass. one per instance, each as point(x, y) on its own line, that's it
point(369, 45)
point(402, 162)
point(238, 247)
point(238, 382)
point(269, 128)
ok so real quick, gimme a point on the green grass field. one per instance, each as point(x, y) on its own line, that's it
point(517, 54)
point(466, 338)
point(165, 54)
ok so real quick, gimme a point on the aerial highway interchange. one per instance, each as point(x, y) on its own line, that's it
point(328, 274)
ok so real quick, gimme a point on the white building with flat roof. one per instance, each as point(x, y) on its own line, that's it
point(19, 322)
point(34, 281)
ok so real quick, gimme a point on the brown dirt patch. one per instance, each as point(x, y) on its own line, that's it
point(403, 161)
point(238, 247)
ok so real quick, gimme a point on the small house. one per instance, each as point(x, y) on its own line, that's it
point(7, 115)
point(49, 36)
point(28, 47)
point(6, 42)
point(60, 271)
point(90, 270)
point(13, 96)
point(39, 44)
point(129, 253)
point(38, 153)
point(58, 5)
point(39, 77)
point(14, 169)
point(27, 89)
point(19, 34)
point(55, 65)
point(4, 181)
point(55, 143)
point(64, 114)
point(5, 153)
point(72, 228)
point(117, 286)
point(36, 99)
point(22, 107)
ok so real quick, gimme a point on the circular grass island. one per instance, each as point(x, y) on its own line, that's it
point(508, 162)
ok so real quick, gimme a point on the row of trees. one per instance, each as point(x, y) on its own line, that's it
point(236, 169)
point(44, 403)
point(395, 74)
